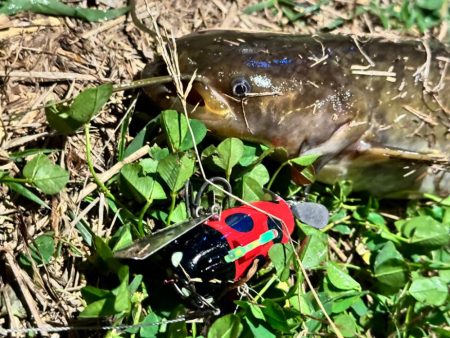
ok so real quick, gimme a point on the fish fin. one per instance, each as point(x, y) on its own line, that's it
point(390, 173)
point(391, 153)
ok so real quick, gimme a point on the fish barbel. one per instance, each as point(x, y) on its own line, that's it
point(377, 111)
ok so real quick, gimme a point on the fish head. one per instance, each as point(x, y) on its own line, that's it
point(257, 87)
point(207, 99)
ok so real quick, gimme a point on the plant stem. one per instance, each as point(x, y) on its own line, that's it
point(15, 180)
point(95, 177)
point(276, 174)
point(141, 216)
point(136, 316)
point(409, 313)
point(266, 287)
point(90, 164)
point(173, 195)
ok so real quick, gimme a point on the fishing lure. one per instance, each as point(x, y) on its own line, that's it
point(210, 253)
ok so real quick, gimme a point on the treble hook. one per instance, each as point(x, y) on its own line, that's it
point(193, 205)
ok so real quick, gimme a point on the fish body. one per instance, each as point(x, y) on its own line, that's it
point(377, 111)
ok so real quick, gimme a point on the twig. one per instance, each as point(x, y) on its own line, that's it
point(55, 76)
point(7, 301)
point(423, 72)
point(373, 73)
point(426, 118)
point(84, 212)
point(107, 25)
point(29, 300)
point(334, 247)
point(23, 140)
point(363, 53)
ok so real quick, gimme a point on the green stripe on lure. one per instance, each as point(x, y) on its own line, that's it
point(377, 111)
point(241, 251)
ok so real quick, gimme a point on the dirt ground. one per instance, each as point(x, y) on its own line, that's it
point(46, 58)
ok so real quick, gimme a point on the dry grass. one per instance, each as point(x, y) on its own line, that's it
point(47, 58)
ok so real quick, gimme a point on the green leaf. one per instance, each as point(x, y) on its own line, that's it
point(425, 233)
point(41, 250)
point(58, 118)
point(340, 279)
point(376, 218)
point(199, 130)
point(315, 250)
point(438, 199)
point(259, 6)
point(252, 183)
point(177, 329)
point(258, 329)
point(340, 305)
point(150, 331)
point(248, 155)
point(229, 152)
point(25, 192)
point(57, 8)
point(110, 305)
point(228, 326)
point(430, 291)
point(99, 308)
point(92, 294)
point(149, 165)
point(276, 316)
point(104, 302)
point(105, 257)
point(209, 151)
point(134, 286)
point(177, 131)
point(281, 256)
point(342, 229)
point(89, 102)
point(139, 184)
point(158, 153)
point(18, 155)
point(251, 189)
point(346, 324)
point(305, 160)
point(67, 119)
point(259, 173)
point(122, 296)
point(430, 5)
point(122, 238)
point(360, 308)
point(85, 231)
point(389, 267)
point(46, 176)
point(142, 137)
point(179, 214)
point(256, 311)
point(176, 169)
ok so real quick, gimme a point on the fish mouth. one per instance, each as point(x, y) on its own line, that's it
point(203, 101)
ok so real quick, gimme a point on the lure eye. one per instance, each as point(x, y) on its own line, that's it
point(240, 87)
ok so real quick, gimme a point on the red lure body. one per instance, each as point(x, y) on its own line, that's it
point(242, 225)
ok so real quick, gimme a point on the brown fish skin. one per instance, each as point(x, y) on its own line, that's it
point(388, 132)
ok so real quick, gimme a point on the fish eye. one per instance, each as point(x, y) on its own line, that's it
point(240, 86)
